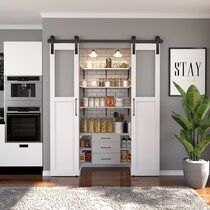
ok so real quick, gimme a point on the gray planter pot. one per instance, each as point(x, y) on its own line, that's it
point(196, 173)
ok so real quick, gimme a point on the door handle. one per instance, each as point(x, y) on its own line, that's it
point(105, 158)
point(105, 147)
point(105, 138)
point(134, 111)
point(23, 145)
point(76, 107)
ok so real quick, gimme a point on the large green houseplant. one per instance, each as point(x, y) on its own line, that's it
point(193, 135)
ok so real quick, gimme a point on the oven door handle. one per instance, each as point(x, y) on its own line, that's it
point(23, 145)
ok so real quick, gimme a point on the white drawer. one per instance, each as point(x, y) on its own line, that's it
point(2, 133)
point(106, 137)
point(21, 154)
point(106, 147)
point(106, 158)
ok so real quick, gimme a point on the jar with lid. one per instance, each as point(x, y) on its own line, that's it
point(107, 83)
point(84, 128)
point(110, 125)
point(123, 142)
point(117, 82)
point(91, 125)
point(85, 102)
point(112, 82)
point(128, 143)
point(97, 102)
point(102, 102)
point(91, 102)
point(97, 125)
point(103, 126)
point(125, 83)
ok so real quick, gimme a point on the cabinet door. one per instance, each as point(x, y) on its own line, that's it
point(22, 58)
point(145, 113)
point(64, 115)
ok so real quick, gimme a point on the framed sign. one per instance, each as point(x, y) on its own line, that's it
point(187, 66)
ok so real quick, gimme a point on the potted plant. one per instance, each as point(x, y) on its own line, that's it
point(193, 135)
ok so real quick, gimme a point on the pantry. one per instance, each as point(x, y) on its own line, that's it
point(104, 106)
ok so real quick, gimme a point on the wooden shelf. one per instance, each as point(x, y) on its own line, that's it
point(88, 149)
point(126, 148)
point(125, 107)
point(105, 87)
point(105, 69)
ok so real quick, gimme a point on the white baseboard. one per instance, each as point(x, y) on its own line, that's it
point(45, 173)
point(171, 173)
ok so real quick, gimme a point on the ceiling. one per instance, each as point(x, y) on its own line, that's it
point(29, 11)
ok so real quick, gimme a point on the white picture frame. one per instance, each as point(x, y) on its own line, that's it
point(187, 66)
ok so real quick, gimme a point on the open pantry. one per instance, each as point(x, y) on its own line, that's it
point(105, 107)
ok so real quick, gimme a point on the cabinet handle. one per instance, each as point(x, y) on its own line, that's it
point(105, 158)
point(76, 106)
point(105, 138)
point(23, 145)
point(105, 147)
point(134, 111)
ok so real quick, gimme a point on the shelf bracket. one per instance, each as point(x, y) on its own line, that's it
point(52, 41)
point(76, 38)
point(157, 39)
point(133, 40)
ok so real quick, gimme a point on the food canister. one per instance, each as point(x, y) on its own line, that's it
point(91, 125)
point(97, 102)
point(125, 83)
point(85, 102)
point(91, 102)
point(128, 143)
point(84, 83)
point(119, 102)
point(102, 102)
point(107, 83)
point(97, 126)
point(123, 143)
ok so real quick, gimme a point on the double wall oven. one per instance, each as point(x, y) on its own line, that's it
point(23, 109)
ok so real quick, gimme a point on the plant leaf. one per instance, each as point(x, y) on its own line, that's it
point(187, 110)
point(193, 98)
point(200, 147)
point(182, 92)
point(203, 129)
point(185, 134)
point(188, 146)
point(182, 121)
point(202, 111)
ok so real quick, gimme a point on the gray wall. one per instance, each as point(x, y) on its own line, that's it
point(174, 32)
point(17, 35)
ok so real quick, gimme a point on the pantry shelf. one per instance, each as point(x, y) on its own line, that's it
point(125, 107)
point(106, 69)
point(105, 87)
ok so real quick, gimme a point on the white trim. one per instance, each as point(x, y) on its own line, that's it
point(45, 173)
point(125, 15)
point(171, 173)
point(23, 26)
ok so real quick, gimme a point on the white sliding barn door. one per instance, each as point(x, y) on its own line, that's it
point(145, 159)
point(64, 114)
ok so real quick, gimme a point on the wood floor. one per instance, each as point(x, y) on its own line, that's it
point(99, 177)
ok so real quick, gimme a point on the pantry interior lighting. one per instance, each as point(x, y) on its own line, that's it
point(118, 54)
point(93, 54)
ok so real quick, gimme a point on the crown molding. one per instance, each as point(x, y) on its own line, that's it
point(23, 26)
point(125, 15)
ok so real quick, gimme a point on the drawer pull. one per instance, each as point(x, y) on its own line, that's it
point(105, 147)
point(23, 145)
point(105, 158)
point(105, 137)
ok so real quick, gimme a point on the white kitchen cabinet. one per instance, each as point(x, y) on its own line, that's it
point(145, 156)
point(64, 115)
point(19, 154)
point(23, 58)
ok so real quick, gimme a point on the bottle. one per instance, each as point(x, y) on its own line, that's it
point(129, 127)
point(125, 127)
